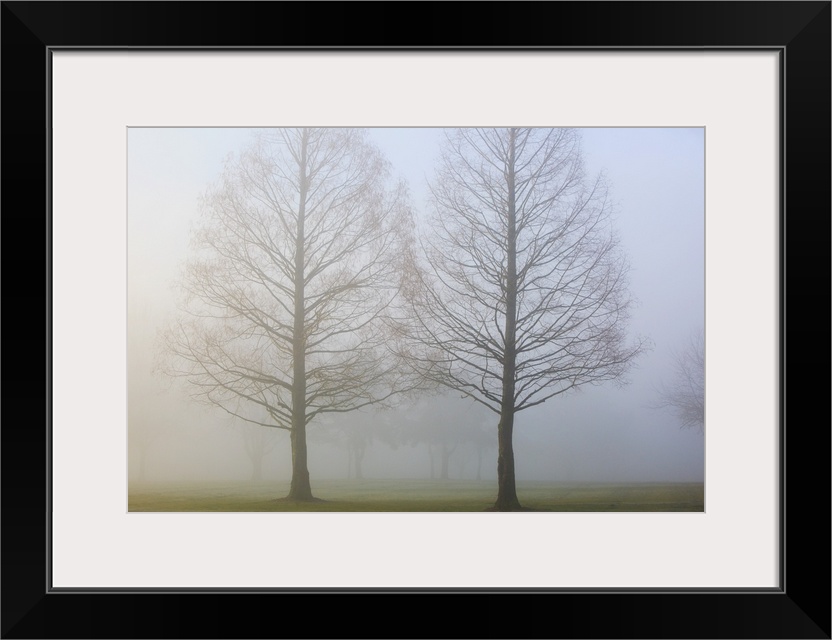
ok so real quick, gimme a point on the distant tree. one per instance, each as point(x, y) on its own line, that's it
point(142, 436)
point(258, 442)
point(296, 263)
point(354, 432)
point(447, 426)
point(480, 439)
point(522, 294)
point(684, 392)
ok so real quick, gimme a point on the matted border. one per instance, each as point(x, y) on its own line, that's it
point(734, 544)
point(799, 30)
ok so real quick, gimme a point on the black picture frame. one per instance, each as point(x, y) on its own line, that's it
point(799, 608)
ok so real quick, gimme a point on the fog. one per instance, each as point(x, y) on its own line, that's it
point(602, 433)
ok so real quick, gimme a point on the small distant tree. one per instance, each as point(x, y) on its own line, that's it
point(522, 294)
point(449, 427)
point(296, 263)
point(142, 436)
point(258, 442)
point(354, 433)
point(684, 392)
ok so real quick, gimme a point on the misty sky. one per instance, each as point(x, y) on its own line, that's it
point(597, 434)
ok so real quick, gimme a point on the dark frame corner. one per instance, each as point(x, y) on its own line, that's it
point(800, 31)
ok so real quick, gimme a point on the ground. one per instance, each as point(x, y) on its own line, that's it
point(416, 496)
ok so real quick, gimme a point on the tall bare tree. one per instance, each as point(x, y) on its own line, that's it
point(684, 392)
point(296, 263)
point(522, 294)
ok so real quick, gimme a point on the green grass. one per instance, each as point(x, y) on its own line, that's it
point(416, 496)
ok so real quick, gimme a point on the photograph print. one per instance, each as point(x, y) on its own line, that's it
point(416, 319)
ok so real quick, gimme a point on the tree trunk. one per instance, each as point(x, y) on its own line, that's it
point(432, 466)
point(142, 463)
point(506, 488)
point(300, 488)
point(446, 456)
point(359, 457)
point(256, 468)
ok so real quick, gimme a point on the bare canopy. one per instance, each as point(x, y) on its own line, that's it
point(295, 265)
point(522, 292)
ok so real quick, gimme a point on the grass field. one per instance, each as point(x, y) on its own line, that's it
point(417, 496)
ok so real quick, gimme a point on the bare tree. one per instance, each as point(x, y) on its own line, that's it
point(297, 261)
point(684, 393)
point(522, 293)
point(448, 426)
point(354, 433)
